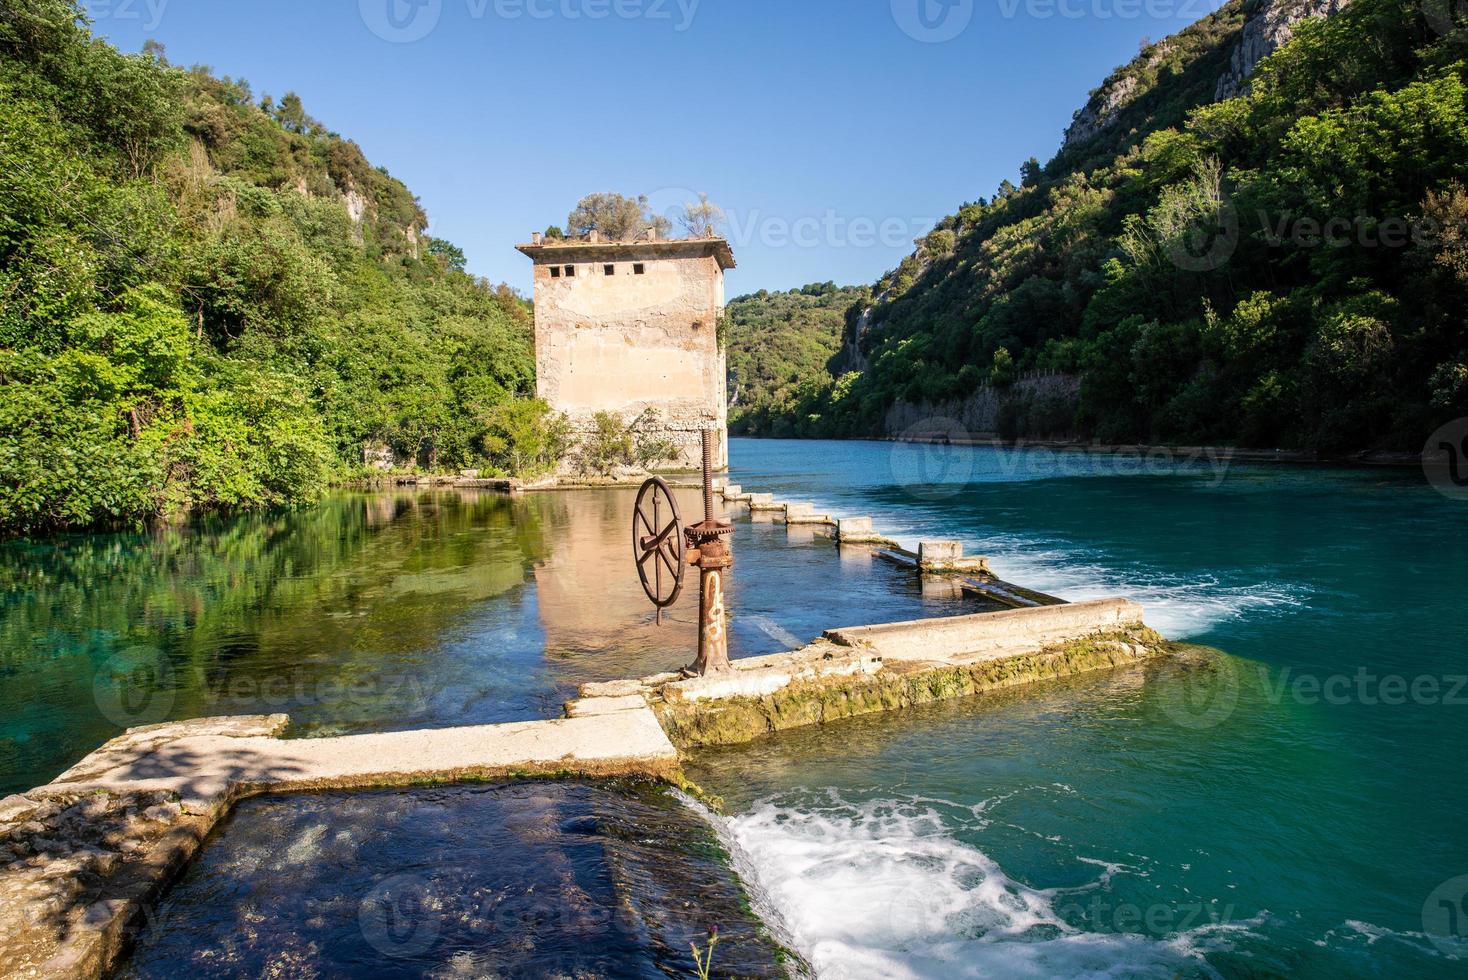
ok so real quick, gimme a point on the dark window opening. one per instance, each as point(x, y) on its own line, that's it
point(555, 272)
point(610, 270)
point(570, 272)
point(639, 269)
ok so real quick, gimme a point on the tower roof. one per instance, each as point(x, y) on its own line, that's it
point(585, 250)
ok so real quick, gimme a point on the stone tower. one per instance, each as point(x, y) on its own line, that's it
point(624, 327)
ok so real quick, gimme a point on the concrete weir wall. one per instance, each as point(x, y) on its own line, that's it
point(870, 669)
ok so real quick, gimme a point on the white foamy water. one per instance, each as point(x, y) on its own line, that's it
point(882, 890)
point(1177, 606)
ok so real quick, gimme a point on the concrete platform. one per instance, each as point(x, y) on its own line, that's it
point(868, 669)
point(85, 856)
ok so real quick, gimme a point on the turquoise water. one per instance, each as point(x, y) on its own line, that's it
point(1295, 810)
point(379, 612)
point(1291, 809)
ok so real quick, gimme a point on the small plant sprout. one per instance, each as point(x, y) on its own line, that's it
point(704, 959)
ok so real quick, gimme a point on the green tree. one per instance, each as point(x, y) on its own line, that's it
point(615, 217)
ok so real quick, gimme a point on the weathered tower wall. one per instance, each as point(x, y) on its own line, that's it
point(628, 327)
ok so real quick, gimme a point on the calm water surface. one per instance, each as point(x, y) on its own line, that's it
point(1292, 808)
point(382, 612)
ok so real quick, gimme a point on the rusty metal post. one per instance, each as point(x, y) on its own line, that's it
point(712, 555)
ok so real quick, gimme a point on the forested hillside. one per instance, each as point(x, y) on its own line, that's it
point(1284, 268)
point(779, 344)
point(209, 301)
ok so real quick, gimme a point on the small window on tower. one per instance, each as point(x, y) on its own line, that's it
point(610, 270)
point(639, 269)
point(570, 272)
point(555, 272)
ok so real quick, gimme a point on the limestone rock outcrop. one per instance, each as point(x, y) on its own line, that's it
point(1267, 28)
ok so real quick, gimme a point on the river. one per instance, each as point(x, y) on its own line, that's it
point(1294, 812)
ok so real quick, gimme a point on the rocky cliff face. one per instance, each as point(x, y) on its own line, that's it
point(1268, 27)
point(1101, 111)
point(1268, 24)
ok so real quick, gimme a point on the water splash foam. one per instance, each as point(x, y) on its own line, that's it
point(882, 889)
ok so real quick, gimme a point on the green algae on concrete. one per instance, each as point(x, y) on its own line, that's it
point(732, 721)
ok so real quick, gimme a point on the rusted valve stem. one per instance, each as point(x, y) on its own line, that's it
point(708, 474)
point(712, 557)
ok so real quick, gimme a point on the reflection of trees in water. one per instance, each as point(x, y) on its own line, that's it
point(247, 610)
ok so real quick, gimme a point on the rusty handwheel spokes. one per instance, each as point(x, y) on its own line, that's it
point(657, 544)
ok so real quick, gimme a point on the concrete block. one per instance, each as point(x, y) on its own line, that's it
point(857, 530)
point(991, 636)
point(794, 512)
point(939, 552)
point(765, 502)
point(732, 491)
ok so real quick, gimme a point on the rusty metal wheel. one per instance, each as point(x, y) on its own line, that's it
point(657, 543)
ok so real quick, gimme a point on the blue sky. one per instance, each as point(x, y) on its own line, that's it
point(833, 132)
